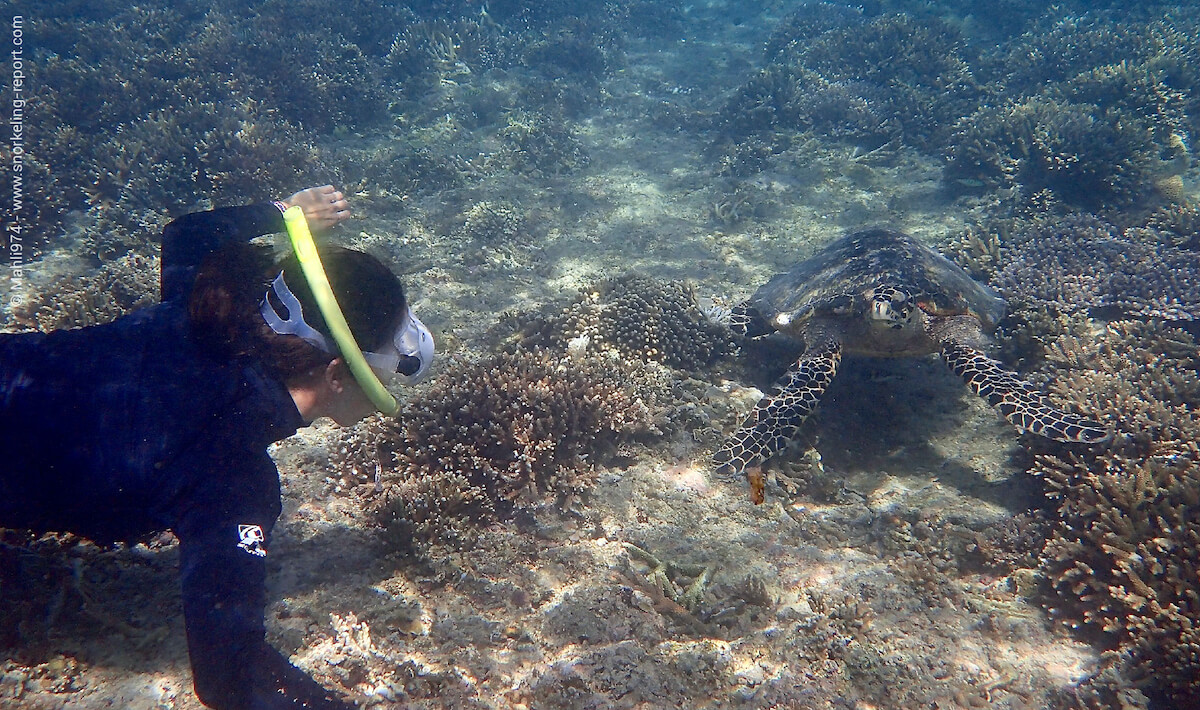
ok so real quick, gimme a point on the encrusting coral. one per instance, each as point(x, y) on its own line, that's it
point(640, 318)
point(509, 432)
point(1124, 555)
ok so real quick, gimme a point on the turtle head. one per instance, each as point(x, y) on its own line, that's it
point(891, 306)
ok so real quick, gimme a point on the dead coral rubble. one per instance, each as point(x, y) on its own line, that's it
point(508, 432)
point(1123, 560)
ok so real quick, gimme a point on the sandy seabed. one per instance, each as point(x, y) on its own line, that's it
point(671, 589)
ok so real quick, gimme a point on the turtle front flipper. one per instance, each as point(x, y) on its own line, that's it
point(1020, 402)
point(778, 415)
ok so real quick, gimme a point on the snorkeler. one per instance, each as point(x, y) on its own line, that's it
point(161, 419)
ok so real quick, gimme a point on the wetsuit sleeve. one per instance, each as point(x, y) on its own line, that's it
point(223, 574)
point(190, 238)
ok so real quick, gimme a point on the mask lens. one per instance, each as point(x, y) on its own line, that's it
point(408, 365)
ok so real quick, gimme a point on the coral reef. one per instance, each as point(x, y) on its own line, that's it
point(1039, 143)
point(1123, 556)
point(120, 286)
point(641, 319)
point(430, 52)
point(489, 223)
point(538, 145)
point(917, 69)
point(1081, 262)
point(1180, 223)
point(147, 109)
point(782, 98)
point(492, 437)
point(575, 52)
point(1095, 108)
point(865, 81)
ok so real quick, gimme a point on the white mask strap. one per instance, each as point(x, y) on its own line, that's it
point(294, 325)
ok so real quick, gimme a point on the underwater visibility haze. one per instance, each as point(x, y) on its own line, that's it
point(581, 200)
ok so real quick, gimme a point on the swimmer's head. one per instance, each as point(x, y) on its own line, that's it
point(225, 308)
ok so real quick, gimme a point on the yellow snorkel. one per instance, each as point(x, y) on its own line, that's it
point(314, 273)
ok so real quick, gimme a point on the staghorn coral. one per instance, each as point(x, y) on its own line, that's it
point(167, 105)
point(1081, 262)
point(491, 223)
point(786, 97)
point(638, 317)
point(918, 69)
point(438, 50)
point(1122, 559)
point(492, 437)
point(1130, 91)
point(574, 53)
point(808, 21)
point(868, 82)
point(1058, 47)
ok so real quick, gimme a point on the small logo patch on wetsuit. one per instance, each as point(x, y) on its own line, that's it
point(252, 540)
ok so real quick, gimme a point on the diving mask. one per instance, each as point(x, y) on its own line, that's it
point(405, 359)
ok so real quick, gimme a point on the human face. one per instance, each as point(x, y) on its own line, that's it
point(347, 403)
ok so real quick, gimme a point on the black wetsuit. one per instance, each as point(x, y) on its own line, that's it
point(125, 429)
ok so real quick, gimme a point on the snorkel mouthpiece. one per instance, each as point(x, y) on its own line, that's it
point(318, 282)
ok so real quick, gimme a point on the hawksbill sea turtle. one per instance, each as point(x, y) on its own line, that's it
point(879, 293)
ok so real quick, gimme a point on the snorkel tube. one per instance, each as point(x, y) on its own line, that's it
point(318, 282)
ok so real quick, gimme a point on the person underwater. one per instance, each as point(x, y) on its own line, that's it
point(161, 419)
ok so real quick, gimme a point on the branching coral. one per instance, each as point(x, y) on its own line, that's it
point(1084, 156)
point(491, 223)
point(865, 81)
point(491, 437)
point(538, 145)
point(436, 51)
point(1180, 223)
point(1123, 559)
point(1079, 263)
point(121, 286)
point(785, 97)
point(163, 107)
point(638, 317)
point(918, 70)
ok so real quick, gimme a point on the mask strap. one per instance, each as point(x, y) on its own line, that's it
point(295, 324)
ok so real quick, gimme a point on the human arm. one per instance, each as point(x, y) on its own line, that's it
point(223, 575)
point(187, 240)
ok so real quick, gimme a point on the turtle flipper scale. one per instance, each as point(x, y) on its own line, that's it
point(778, 415)
point(747, 320)
point(1020, 402)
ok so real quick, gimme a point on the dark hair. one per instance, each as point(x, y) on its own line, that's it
point(223, 309)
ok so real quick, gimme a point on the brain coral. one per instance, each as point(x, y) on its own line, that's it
point(488, 438)
point(1124, 556)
